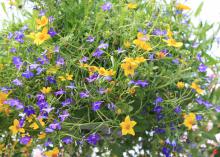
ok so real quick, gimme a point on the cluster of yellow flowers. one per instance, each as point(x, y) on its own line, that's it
point(189, 120)
point(196, 87)
point(130, 64)
point(4, 108)
point(67, 77)
point(100, 70)
point(141, 42)
point(42, 36)
point(171, 41)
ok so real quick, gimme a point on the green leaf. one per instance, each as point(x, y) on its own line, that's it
point(4, 8)
point(199, 9)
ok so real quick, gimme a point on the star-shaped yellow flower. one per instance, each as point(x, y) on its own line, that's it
point(46, 90)
point(127, 126)
point(15, 128)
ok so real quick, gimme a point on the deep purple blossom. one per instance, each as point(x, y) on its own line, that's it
point(19, 36)
point(98, 53)
point(60, 61)
point(10, 35)
point(42, 104)
point(140, 83)
point(43, 60)
point(17, 82)
point(56, 49)
point(202, 68)
point(96, 105)
point(48, 143)
point(51, 79)
point(103, 45)
point(166, 151)
point(42, 12)
point(55, 126)
point(107, 6)
point(49, 130)
point(92, 78)
point(120, 50)
point(40, 97)
point(67, 102)
point(159, 32)
point(52, 32)
point(14, 103)
point(64, 115)
point(22, 121)
point(25, 140)
point(84, 59)
point(198, 117)
point(175, 61)
point(71, 86)
point(17, 61)
point(28, 74)
point(90, 39)
point(48, 109)
point(93, 139)
point(178, 109)
point(33, 66)
point(217, 109)
point(159, 131)
point(51, 19)
point(29, 110)
point(151, 56)
point(13, 50)
point(24, 28)
point(84, 94)
point(158, 100)
point(67, 140)
point(207, 104)
point(199, 101)
point(158, 109)
point(60, 92)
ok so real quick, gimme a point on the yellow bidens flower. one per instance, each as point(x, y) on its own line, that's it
point(46, 90)
point(127, 44)
point(4, 108)
point(189, 120)
point(35, 125)
point(52, 70)
point(42, 136)
point(102, 71)
point(182, 7)
point(172, 42)
point(42, 22)
point(15, 128)
point(180, 85)
point(40, 37)
point(130, 64)
point(197, 88)
point(52, 153)
point(132, 5)
point(1, 66)
point(127, 126)
point(141, 43)
point(68, 77)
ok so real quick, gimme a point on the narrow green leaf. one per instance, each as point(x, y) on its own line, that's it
point(4, 8)
point(199, 9)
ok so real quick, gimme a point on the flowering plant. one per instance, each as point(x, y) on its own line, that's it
point(116, 75)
